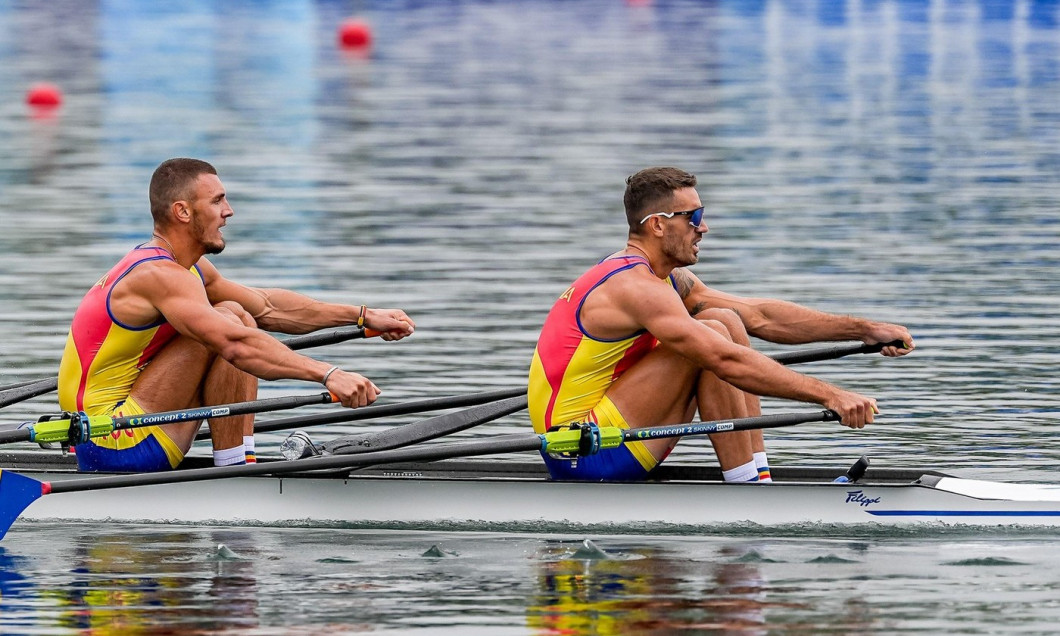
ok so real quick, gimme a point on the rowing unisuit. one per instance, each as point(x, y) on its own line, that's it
point(571, 372)
point(100, 363)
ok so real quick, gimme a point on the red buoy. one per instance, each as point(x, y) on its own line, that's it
point(355, 34)
point(44, 95)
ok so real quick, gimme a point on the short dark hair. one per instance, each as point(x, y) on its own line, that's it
point(651, 189)
point(171, 182)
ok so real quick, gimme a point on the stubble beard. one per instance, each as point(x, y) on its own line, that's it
point(208, 247)
point(679, 251)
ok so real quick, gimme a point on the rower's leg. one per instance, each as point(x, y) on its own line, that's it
point(656, 390)
point(225, 384)
point(719, 400)
point(176, 379)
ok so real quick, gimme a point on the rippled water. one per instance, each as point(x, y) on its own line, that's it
point(897, 160)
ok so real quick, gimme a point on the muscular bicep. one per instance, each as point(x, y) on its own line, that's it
point(651, 304)
point(181, 299)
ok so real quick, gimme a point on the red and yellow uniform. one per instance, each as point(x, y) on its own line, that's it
point(101, 361)
point(571, 372)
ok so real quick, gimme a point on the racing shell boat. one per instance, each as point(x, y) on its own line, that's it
point(485, 494)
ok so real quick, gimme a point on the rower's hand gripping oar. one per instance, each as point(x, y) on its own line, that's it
point(77, 428)
point(18, 491)
point(21, 391)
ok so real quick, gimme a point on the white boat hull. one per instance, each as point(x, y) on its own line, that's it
point(484, 495)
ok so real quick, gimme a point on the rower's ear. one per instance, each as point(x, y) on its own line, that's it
point(180, 212)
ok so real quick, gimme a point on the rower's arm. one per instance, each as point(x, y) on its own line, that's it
point(287, 311)
point(653, 304)
point(785, 322)
point(182, 300)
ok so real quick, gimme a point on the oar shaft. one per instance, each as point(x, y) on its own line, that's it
point(27, 390)
point(79, 428)
point(589, 439)
point(725, 426)
point(388, 410)
point(225, 410)
point(831, 353)
point(425, 430)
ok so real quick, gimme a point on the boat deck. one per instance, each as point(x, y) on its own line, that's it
point(54, 462)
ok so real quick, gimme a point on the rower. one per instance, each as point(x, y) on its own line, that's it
point(639, 340)
point(164, 330)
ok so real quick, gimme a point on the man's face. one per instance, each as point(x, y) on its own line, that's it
point(209, 212)
point(681, 239)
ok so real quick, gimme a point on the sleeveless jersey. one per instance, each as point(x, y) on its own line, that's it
point(103, 357)
point(571, 370)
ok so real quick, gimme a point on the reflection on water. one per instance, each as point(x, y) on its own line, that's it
point(133, 579)
point(886, 158)
point(646, 590)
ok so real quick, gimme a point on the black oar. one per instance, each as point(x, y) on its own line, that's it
point(423, 430)
point(25, 390)
point(17, 385)
point(831, 353)
point(78, 428)
point(386, 410)
point(18, 491)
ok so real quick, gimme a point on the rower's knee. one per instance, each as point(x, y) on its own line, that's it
point(726, 322)
point(235, 312)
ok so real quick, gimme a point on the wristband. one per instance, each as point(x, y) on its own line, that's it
point(328, 375)
point(360, 318)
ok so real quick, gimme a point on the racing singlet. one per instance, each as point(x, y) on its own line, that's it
point(571, 370)
point(103, 357)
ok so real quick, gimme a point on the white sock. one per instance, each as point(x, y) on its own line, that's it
point(762, 464)
point(248, 449)
point(229, 456)
point(745, 472)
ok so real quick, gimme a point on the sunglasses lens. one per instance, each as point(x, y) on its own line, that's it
point(696, 218)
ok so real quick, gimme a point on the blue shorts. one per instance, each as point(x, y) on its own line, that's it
point(133, 450)
point(629, 462)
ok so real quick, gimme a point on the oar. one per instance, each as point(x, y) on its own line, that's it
point(17, 385)
point(18, 491)
point(387, 410)
point(831, 353)
point(423, 430)
point(79, 427)
point(25, 390)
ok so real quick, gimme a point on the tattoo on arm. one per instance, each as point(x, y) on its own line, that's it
point(697, 308)
point(683, 281)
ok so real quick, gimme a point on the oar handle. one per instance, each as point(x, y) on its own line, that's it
point(831, 353)
point(335, 336)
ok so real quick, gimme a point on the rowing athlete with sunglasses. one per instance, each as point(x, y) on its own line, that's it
point(638, 340)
